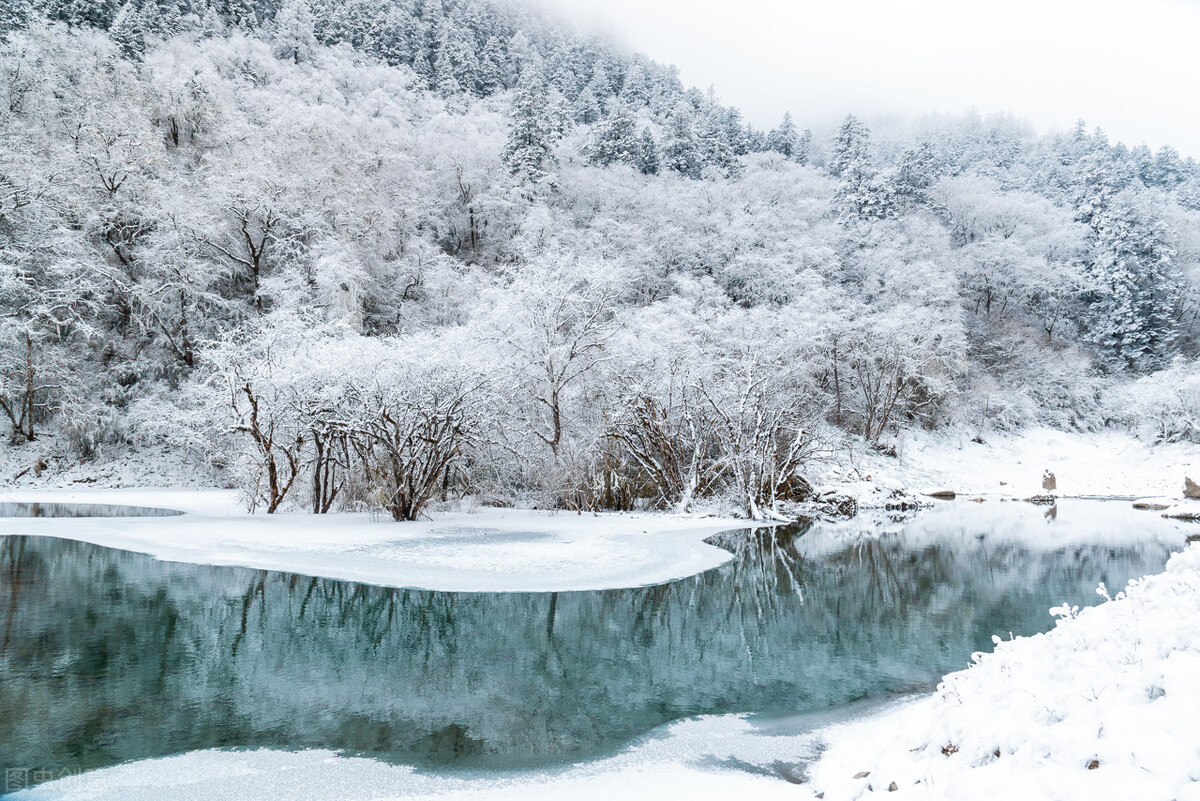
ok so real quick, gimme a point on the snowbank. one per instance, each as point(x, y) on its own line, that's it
point(1103, 706)
point(1107, 463)
point(321, 775)
point(728, 756)
point(1184, 510)
point(492, 550)
point(961, 524)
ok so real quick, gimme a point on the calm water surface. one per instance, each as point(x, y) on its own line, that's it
point(43, 509)
point(107, 656)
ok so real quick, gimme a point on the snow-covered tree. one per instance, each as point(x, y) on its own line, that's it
point(681, 147)
point(128, 30)
point(803, 152)
point(419, 416)
point(13, 15)
point(294, 36)
point(785, 139)
point(647, 160)
point(1136, 280)
point(529, 152)
point(614, 139)
point(850, 147)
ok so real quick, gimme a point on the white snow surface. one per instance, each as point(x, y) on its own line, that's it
point(267, 775)
point(489, 550)
point(1113, 687)
point(709, 757)
point(1109, 463)
point(522, 550)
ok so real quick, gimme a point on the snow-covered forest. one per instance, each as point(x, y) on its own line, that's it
point(366, 254)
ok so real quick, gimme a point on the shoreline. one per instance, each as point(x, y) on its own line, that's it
point(488, 550)
point(836, 757)
point(499, 549)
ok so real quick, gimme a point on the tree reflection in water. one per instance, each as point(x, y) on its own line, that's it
point(109, 656)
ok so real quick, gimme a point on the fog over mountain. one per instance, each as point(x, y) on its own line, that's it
point(1111, 63)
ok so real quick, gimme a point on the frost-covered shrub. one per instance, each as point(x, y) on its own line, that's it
point(600, 477)
point(1066, 396)
point(667, 448)
point(88, 427)
point(1163, 406)
point(729, 411)
point(317, 410)
point(414, 422)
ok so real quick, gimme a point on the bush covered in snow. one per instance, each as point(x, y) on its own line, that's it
point(1162, 406)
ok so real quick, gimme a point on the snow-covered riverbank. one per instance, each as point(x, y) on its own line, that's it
point(1101, 707)
point(1110, 463)
point(489, 550)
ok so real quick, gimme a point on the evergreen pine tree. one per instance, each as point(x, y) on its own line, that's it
point(803, 148)
point(171, 21)
point(421, 40)
point(600, 82)
point(456, 63)
point(127, 32)
point(445, 82)
point(243, 15)
point(560, 72)
point(586, 108)
point(529, 151)
point(1136, 282)
point(294, 37)
point(211, 24)
point(863, 192)
point(89, 13)
point(716, 148)
point(1168, 171)
point(850, 146)
point(647, 153)
point(391, 38)
point(635, 91)
point(680, 149)
point(1095, 182)
point(491, 66)
point(1143, 161)
point(520, 52)
point(784, 139)
point(735, 134)
point(614, 139)
point(756, 140)
point(917, 171)
point(14, 14)
point(151, 18)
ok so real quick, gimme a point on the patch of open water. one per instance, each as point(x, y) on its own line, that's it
point(108, 656)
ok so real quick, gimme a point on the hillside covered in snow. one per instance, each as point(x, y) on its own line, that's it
point(370, 255)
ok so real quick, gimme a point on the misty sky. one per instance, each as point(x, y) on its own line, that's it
point(1130, 67)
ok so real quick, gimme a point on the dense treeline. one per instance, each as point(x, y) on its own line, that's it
point(374, 254)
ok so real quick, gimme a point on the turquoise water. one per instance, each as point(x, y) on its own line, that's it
point(107, 656)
